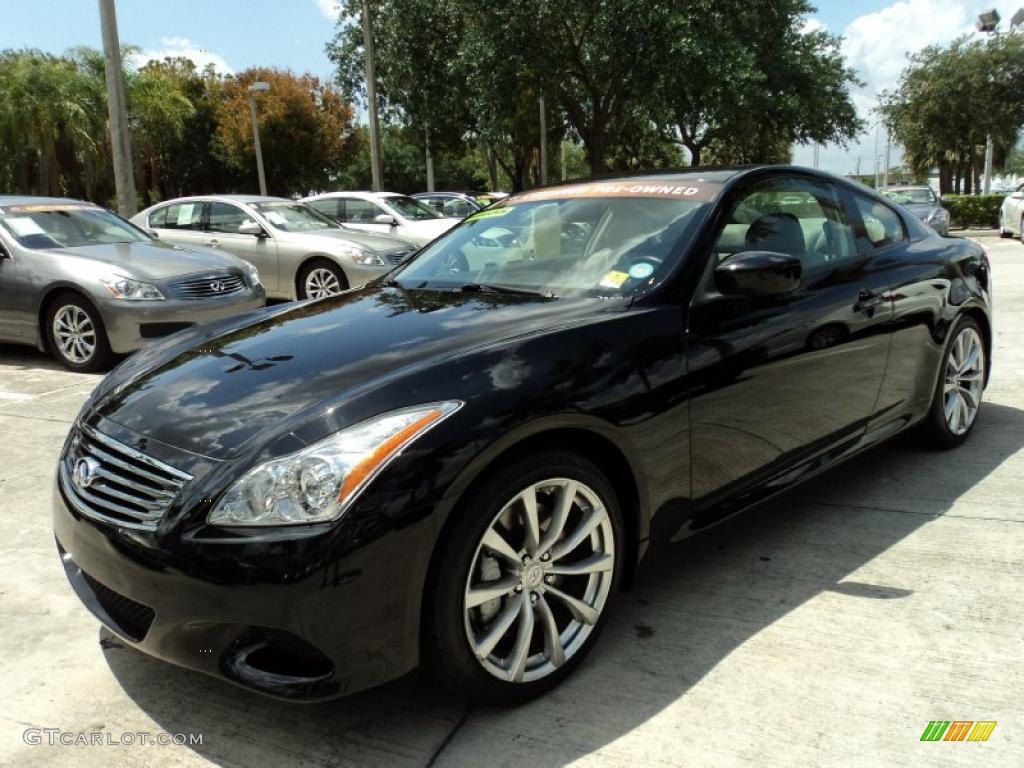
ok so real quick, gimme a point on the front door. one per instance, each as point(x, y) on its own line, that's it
point(783, 382)
point(221, 227)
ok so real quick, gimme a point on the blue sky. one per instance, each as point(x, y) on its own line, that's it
point(235, 34)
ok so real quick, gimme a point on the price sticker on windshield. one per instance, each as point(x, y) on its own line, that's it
point(492, 213)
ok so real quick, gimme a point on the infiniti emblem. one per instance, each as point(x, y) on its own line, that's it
point(85, 472)
point(216, 286)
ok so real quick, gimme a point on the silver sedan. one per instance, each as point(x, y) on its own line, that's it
point(299, 252)
point(84, 284)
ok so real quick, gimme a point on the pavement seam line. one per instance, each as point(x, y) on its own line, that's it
point(936, 515)
point(451, 735)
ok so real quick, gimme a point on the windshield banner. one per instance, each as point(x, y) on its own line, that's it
point(696, 190)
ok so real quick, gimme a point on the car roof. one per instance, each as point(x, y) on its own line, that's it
point(898, 187)
point(39, 200)
point(229, 199)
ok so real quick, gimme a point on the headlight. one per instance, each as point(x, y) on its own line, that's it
point(131, 290)
point(940, 214)
point(252, 273)
point(318, 483)
point(363, 258)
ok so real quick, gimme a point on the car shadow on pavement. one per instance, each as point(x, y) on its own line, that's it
point(699, 603)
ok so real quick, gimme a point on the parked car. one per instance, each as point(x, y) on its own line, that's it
point(83, 284)
point(455, 205)
point(1011, 214)
point(384, 212)
point(462, 463)
point(300, 254)
point(923, 203)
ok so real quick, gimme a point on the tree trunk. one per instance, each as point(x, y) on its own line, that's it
point(492, 169)
point(596, 147)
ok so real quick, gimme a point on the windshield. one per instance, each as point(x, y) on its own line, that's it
point(294, 217)
point(410, 208)
point(566, 240)
point(904, 196)
point(69, 225)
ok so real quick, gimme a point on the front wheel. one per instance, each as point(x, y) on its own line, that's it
point(525, 584)
point(321, 278)
point(76, 336)
point(958, 392)
point(1003, 231)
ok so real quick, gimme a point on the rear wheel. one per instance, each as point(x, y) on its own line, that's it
point(75, 334)
point(958, 392)
point(1003, 230)
point(321, 278)
point(525, 584)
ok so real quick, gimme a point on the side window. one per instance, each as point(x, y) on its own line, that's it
point(328, 206)
point(158, 218)
point(798, 217)
point(226, 218)
point(436, 203)
point(360, 211)
point(183, 216)
point(882, 226)
point(457, 207)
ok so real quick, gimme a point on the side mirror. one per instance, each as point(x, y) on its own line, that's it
point(384, 218)
point(758, 273)
point(251, 228)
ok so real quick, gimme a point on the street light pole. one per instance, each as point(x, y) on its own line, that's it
point(253, 90)
point(888, 147)
point(117, 109)
point(543, 144)
point(430, 163)
point(376, 171)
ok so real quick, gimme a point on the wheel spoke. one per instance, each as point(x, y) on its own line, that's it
point(552, 639)
point(576, 537)
point(972, 358)
point(563, 506)
point(489, 590)
point(597, 563)
point(579, 609)
point(968, 396)
point(530, 521)
point(521, 649)
point(498, 628)
point(496, 543)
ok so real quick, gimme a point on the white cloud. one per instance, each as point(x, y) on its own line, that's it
point(812, 25)
point(185, 48)
point(330, 9)
point(877, 44)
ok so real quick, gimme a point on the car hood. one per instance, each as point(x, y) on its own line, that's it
point(368, 241)
point(213, 393)
point(155, 260)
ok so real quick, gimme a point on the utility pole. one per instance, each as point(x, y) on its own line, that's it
point(877, 127)
point(430, 164)
point(117, 109)
point(543, 144)
point(888, 147)
point(817, 154)
point(253, 89)
point(371, 97)
point(561, 149)
point(988, 165)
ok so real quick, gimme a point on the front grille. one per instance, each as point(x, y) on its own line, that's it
point(133, 619)
point(108, 481)
point(397, 257)
point(205, 286)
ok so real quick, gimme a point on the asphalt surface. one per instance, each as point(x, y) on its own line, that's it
point(827, 628)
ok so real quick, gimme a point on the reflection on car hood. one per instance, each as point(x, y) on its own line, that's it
point(212, 393)
point(155, 260)
point(922, 210)
point(368, 241)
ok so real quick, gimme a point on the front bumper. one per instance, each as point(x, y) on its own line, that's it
point(284, 618)
point(130, 325)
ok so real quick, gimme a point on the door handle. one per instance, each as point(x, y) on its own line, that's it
point(868, 299)
point(213, 242)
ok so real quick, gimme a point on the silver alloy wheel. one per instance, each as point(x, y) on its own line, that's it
point(321, 282)
point(964, 380)
point(75, 335)
point(543, 567)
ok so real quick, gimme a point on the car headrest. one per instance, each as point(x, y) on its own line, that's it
point(779, 232)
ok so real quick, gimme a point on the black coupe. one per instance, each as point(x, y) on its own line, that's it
point(462, 462)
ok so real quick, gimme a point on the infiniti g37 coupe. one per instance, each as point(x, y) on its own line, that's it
point(462, 462)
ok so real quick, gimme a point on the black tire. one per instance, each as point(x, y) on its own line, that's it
point(319, 264)
point(101, 357)
point(447, 655)
point(935, 431)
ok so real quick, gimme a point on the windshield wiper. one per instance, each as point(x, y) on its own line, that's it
point(490, 288)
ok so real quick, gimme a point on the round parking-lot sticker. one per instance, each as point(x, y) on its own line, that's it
point(641, 270)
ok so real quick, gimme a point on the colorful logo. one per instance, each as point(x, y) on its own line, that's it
point(958, 730)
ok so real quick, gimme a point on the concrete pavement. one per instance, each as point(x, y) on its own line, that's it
point(825, 629)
